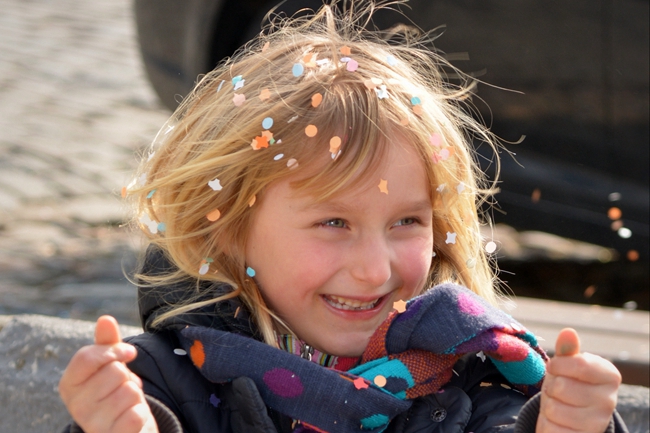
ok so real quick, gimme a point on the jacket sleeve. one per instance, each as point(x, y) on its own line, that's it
point(165, 419)
point(527, 419)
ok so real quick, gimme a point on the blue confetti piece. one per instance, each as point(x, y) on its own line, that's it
point(391, 60)
point(162, 227)
point(415, 100)
point(220, 84)
point(236, 80)
point(267, 123)
point(151, 193)
point(297, 69)
point(250, 272)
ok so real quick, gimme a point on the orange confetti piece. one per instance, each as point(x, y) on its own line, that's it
point(633, 255)
point(260, 142)
point(197, 353)
point(251, 202)
point(404, 121)
point(268, 135)
point(310, 60)
point(372, 83)
point(265, 94)
point(383, 186)
point(380, 381)
point(316, 100)
point(614, 213)
point(335, 144)
point(345, 50)
point(360, 383)
point(400, 306)
point(311, 130)
point(536, 195)
point(214, 215)
point(417, 109)
point(123, 193)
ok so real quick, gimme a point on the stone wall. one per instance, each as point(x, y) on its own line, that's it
point(34, 351)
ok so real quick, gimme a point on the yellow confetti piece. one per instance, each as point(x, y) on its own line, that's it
point(316, 100)
point(251, 202)
point(311, 130)
point(214, 215)
point(380, 381)
point(383, 186)
point(265, 94)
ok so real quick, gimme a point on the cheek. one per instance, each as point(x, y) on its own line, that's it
point(415, 262)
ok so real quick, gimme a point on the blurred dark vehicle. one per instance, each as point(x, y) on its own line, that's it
point(580, 69)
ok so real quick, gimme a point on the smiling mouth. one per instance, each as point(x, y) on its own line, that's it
point(351, 304)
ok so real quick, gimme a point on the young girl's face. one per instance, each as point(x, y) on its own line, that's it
point(332, 270)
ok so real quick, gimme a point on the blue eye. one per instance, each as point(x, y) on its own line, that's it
point(336, 223)
point(406, 222)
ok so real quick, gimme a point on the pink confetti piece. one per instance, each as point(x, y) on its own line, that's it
point(292, 163)
point(490, 247)
point(435, 139)
point(360, 383)
point(266, 46)
point(238, 99)
point(352, 65)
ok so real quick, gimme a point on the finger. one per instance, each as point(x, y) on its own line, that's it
point(90, 359)
point(107, 331)
point(567, 343)
point(590, 419)
point(585, 367)
point(580, 394)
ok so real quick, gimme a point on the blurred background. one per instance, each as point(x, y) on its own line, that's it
point(80, 97)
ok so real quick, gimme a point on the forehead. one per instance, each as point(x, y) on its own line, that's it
point(396, 170)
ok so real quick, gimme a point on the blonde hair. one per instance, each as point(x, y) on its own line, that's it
point(217, 130)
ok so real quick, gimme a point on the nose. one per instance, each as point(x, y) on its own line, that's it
point(370, 261)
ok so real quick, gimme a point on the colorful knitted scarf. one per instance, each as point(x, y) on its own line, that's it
point(410, 355)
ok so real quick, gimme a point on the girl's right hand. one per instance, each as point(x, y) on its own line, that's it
point(100, 392)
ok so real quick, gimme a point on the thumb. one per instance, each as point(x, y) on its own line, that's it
point(567, 343)
point(107, 331)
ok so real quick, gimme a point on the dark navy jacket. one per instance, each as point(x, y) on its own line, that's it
point(478, 399)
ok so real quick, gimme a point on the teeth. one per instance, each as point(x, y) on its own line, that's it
point(350, 304)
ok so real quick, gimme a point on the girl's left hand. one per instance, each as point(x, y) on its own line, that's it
point(580, 389)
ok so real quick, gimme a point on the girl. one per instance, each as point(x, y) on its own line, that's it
point(300, 204)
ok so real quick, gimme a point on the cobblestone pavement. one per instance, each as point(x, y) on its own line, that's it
point(75, 107)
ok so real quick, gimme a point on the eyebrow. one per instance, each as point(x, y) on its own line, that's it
point(337, 207)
